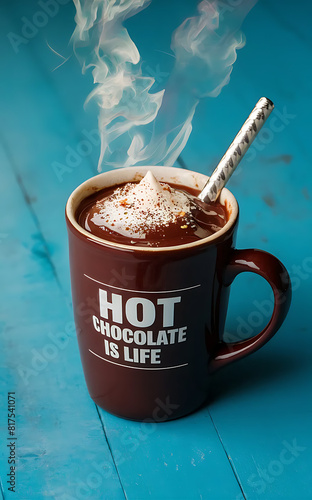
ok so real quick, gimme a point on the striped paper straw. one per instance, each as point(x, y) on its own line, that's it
point(236, 151)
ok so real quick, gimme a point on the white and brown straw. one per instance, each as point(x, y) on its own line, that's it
point(236, 151)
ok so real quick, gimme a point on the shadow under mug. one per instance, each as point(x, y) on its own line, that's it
point(150, 320)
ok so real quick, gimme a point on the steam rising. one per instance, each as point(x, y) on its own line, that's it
point(138, 126)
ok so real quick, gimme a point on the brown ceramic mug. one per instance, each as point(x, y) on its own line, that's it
point(150, 320)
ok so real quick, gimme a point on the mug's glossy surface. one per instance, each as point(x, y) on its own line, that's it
point(150, 321)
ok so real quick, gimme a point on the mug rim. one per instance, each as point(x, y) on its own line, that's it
point(132, 174)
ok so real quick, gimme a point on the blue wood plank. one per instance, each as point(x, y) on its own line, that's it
point(57, 426)
point(40, 132)
point(181, 459)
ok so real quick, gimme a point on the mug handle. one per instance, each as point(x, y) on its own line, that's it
point(270, 268)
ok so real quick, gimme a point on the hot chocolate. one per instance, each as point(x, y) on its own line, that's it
point(150, 213)
point(150, 320)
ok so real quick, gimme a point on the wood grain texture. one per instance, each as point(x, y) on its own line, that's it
point(40, 363)
point(254, 439)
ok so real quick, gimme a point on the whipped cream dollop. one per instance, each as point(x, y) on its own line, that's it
point(137, 209)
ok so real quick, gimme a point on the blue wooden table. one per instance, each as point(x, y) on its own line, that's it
point(253, 441)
